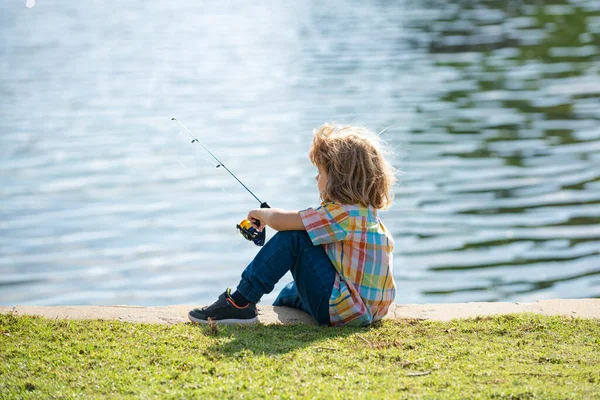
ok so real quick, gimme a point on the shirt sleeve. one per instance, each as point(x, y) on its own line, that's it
point(325, 224)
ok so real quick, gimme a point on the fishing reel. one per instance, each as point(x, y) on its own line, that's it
point(246, 229)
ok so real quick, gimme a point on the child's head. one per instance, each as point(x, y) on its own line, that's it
point(352, 159)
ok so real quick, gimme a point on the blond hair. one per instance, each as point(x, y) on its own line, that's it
point(353, 159)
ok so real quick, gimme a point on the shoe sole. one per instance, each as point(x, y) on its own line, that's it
point(230, 321)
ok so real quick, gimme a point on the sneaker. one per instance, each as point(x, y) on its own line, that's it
point(225, 311)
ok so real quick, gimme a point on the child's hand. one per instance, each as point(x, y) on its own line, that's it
point(258, 214)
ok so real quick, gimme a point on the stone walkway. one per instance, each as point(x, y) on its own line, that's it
point(584, 308)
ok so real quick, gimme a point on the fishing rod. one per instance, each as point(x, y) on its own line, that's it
point(245, 228)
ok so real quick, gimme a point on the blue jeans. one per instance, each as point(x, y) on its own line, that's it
point(310, 266)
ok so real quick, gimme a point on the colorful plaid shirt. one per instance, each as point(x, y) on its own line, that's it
point(360, 248)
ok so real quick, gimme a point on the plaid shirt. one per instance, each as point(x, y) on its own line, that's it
point(360, 249)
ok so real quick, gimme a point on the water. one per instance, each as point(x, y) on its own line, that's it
point(492, 109)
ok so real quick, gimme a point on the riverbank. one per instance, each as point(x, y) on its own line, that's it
point(515, 356)
point(583, 308)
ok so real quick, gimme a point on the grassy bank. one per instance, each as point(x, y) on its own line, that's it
point(506, 357)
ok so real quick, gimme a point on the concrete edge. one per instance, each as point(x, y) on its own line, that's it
point(583, 308)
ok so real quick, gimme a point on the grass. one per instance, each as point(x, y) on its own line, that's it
point(522, 356)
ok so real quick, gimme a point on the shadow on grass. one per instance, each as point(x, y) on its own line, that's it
point(277, 339)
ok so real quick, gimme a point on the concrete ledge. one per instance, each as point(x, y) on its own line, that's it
point(153, 315)
point(584, 308)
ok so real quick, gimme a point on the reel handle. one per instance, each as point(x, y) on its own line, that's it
point(250, 233)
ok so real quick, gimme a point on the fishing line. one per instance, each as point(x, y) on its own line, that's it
point(206, 159)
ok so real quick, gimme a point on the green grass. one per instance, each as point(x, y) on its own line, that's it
point(521, 356)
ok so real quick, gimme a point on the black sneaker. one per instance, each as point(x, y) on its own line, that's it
point(225, 311)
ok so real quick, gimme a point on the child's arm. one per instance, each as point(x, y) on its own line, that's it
point(276, 218)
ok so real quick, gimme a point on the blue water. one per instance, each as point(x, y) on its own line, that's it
point(491, 108)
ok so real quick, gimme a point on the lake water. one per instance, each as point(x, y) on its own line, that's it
point(492, 109)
